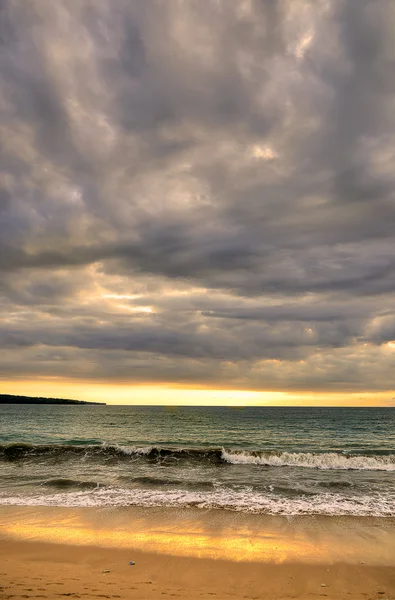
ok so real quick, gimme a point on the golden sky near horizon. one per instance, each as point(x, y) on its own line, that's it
point(167, 395)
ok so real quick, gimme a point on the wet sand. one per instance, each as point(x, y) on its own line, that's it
point(59, 553)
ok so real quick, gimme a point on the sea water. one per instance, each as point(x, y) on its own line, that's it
point(273, 460)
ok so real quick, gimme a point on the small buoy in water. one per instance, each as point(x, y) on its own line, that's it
point(132, 562)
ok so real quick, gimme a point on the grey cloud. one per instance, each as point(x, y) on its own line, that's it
point(291, 312)
point(245, 149)
point(334, 371)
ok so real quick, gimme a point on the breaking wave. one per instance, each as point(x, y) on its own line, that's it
point(327, 460)
point(108, 452)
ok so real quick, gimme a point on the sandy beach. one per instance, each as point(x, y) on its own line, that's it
point(39, 559)
point(39, 570)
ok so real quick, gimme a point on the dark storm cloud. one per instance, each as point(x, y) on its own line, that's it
point(191, 191)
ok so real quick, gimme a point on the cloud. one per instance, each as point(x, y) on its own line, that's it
point(189, 193)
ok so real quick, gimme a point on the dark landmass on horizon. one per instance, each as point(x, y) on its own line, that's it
point(10, 399)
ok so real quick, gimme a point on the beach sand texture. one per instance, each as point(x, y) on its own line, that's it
point(49, 571)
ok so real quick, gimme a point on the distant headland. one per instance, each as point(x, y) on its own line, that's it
point(9, 399)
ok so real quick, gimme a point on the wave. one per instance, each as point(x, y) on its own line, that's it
point(219, 456)
point(247, 500)
point(326, 460)
point(63, 483)
point(15, 452)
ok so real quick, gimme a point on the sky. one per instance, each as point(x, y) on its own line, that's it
point(197, 200)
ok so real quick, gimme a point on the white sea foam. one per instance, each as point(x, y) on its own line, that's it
point(129, 450)
point(247, 500)
point(328, 460)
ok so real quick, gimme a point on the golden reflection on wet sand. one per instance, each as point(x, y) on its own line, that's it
point(207, 534)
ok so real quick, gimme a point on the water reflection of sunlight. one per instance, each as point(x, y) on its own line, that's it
point(211, 535)
point(237, 546)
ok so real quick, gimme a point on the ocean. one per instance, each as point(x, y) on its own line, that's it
point(268, 460)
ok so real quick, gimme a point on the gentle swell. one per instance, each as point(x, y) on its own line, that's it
point(63, 483)
point(108, 452)
point(166, 481)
